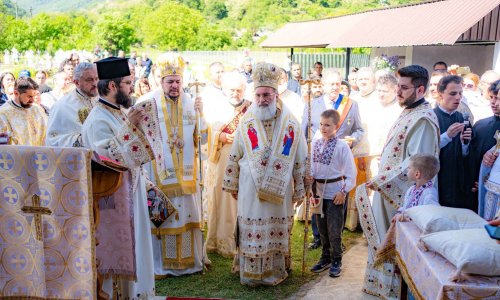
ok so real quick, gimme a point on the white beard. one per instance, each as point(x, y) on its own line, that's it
point(264, 113)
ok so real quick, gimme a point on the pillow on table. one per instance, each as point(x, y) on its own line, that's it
point(471, 251)
point(432, 218)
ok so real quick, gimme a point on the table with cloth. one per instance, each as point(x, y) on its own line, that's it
point(427, 273)
point(46, 224)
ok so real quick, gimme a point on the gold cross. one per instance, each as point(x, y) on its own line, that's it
point(81, 265)
point(15, 227)
point(37, 211)
point(75, 162)
point(196, 84)
point(77, 197)
point(17, 260)
point(4, 161)
point(10, 195)
point(44, 196)
point(40, 161)
point(80, 232)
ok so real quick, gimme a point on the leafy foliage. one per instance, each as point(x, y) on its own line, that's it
point(115, 33)
point(161, 24)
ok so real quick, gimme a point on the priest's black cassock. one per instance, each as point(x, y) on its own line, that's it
point(451, 176)
point(483, 139)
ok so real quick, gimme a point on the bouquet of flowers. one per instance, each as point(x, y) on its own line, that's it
point(386, 62)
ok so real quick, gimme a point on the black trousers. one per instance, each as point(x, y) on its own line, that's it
point(330, 230)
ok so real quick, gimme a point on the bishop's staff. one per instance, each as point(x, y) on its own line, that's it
point(197, 85)
point(309, 193)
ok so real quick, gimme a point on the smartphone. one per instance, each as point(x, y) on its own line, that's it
point(493, 231)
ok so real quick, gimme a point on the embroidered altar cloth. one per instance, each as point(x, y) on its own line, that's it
point(428, 273)
point(46, 236)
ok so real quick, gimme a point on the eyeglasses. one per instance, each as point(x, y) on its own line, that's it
point(469, 85)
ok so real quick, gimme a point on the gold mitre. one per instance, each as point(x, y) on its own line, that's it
point(170, 64)
point(266, 74)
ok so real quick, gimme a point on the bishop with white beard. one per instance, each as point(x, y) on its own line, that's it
point(265, 174)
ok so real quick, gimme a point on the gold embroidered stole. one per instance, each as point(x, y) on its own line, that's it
point(271, 162)
point(182, 186)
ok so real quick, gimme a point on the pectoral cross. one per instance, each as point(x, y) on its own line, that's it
point(37, 211)
point(497, 137)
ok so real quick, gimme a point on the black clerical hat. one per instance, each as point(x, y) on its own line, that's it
point(112, 67)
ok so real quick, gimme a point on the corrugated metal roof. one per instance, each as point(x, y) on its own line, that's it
point(429, 23)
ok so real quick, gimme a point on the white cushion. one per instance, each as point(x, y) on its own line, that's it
point(471, 251)
point(432, 218)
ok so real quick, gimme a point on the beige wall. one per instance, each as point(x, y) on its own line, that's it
point(478, 57)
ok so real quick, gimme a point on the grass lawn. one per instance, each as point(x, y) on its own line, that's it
point(219, 282)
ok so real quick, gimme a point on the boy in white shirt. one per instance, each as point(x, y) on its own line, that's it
point(334, 172)
point(422, 169)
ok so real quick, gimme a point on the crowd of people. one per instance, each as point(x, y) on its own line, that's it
point(416, 137)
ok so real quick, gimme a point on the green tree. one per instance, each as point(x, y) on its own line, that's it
point(194, 4)
point(171, 26)
point(216, 9)
point(16, 34)
point(211, 38)
point(115, 33)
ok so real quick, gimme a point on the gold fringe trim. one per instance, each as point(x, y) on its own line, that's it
point(259, 276)
point(407, 277)
point(270, 197)
point(176, 231)
point(214, 150)
point(173, 264)
point(177, 190)
point(119, 277)
point(386, 255)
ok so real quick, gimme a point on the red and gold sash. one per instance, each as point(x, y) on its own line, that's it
point(231, 126)
point(228, 128)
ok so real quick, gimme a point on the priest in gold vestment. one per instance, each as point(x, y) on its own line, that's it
point(265, 172)
point(223, 116)
point(21, 119)
point(177, 242)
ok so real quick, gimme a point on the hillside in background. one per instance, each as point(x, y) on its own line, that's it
point(8, 7)
point(48, 6)
point(49, 25)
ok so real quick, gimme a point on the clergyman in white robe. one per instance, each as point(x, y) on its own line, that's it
point(107, 132)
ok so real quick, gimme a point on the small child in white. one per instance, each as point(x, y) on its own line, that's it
point(422, 169)
point(334, 172)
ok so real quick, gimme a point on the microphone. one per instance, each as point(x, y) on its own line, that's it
point(466, 125)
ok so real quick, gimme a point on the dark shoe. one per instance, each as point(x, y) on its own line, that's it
point(335, 268)
point(315, 245)
point(320, 266)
